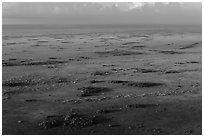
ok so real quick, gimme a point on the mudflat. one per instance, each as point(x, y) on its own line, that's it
point(115, 82)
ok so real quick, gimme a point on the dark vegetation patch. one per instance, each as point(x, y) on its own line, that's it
point(31, 100)
point(74, 59)
point(137, 47)
point(6, 98)
point(137, 84)
point(141, 70)
point(73, 120)
point(31, 83)
point(12, 59)
point(191, 45)
point(107, 111)
point(91, 91)
point(188, 62)
point(11, 43)
point(14, 83)
point(101, 73)
point(32, 80)
point(84, 57)
point(108, 65)
point(130, 43)
point(141, 105)
point(193, 62)
point(180, 71)
point(117, 52)
point(31, 62)
point(53, 58)
point(171, 52)
point(60, 79)
point(144, 84)
point(79, 58)
point(173, 71)
point(96, 81)
point(66, 42)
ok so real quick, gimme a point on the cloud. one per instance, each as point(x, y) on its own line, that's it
point(103, 12)
point(136, 5)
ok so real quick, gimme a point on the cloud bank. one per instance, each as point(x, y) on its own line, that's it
point(102, 13)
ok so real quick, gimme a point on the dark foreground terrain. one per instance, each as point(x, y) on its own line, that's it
point(121, 83)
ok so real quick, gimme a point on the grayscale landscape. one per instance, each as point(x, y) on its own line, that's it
point(102, 69)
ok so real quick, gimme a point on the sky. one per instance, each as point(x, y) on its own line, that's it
point(102, 13)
